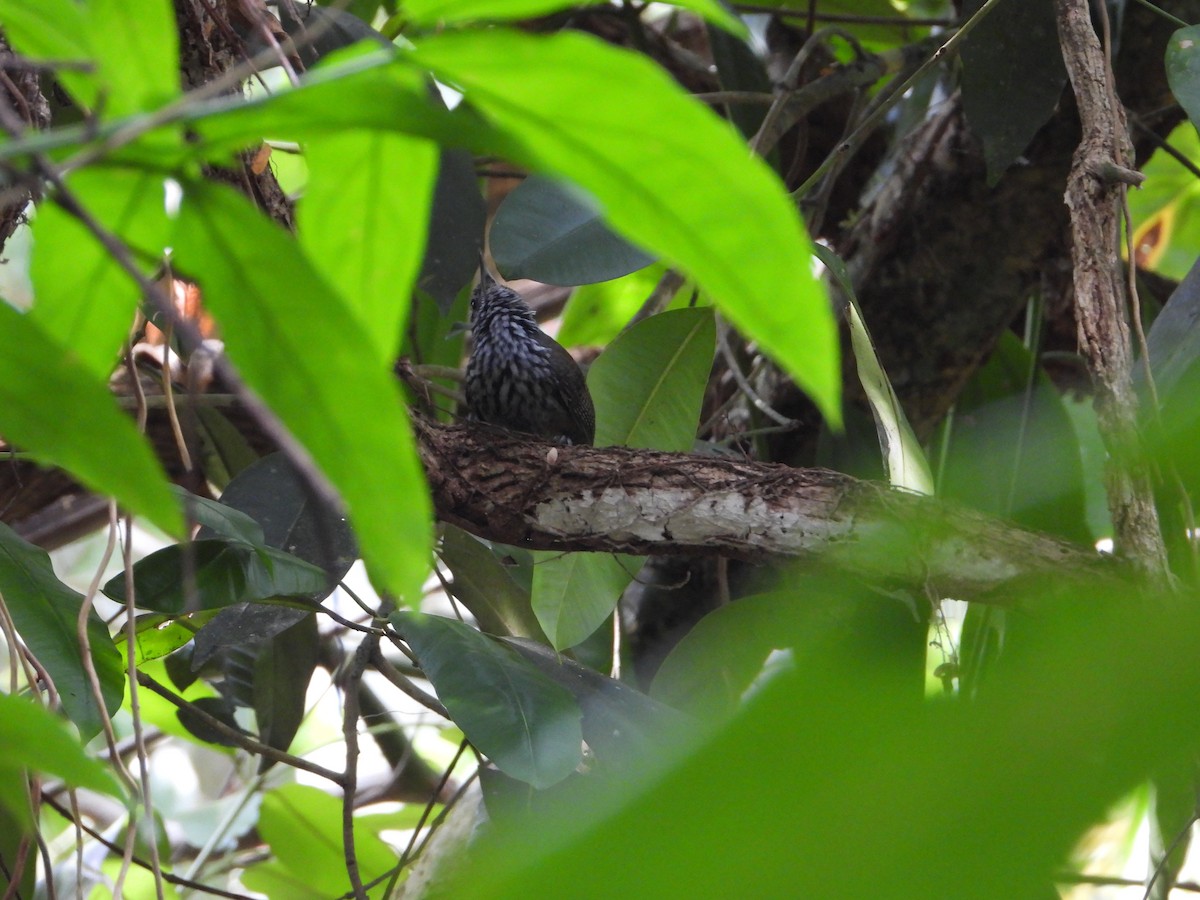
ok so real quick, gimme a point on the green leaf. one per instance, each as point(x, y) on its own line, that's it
point(1011, 450)
point(553, 232)
point(136, 45)
point(1013, 77)
point(46, 612)
point(1183, 70)
point(596, 313)
point(54, 30)
point(650, 163)
point(351, 91)
point(282, 671)
point(214, 573)
point(1061, 733)
point(904, 460)
point(434, 12)
point(303, 826)
point(32, 738)
point(299, 347)
point(709, 671)
point(649, 384)
point(224, 520)
point(38, 379)
point(524, 722)
point(573, 593)
point(293, 517)
point(157, 635)
point(83, 298)
point(483, 585)
point(363, 221)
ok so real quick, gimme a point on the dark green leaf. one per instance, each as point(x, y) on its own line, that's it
point(282, 671)
point(208, 574)
point(319, 30)
point(651, 165)
point(212, 572)
point(649, 384)
point(220, 709)
point(293, 518)
point(1013, 76)
point(483, 585)
point(620, 724)
point(38, 379)
point(243, 625)
point(555, 233)
point(455, 229)
point(1183, 70)
point(525, 723)
point(46, 613)
point(338, 397)
point(219, 518)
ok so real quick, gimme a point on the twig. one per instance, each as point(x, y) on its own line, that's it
point(1094, 197)
point(362, 656)
point(137, 861)
point(244, 741)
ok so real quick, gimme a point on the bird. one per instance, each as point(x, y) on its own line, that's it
point(520, 378)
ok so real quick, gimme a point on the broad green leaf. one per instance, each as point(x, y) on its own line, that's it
point(553, 232)
point(299, 347)
point(46, 613)
point(483, 585)
point(157, 635)
point(431, 12)
point(1183, 70)
point(54, 30)
point(135, 43)
point(32, 738)
point(350, 92)
point(303, 826)
point(521, 720)
point(1062, 732)
point(82, 297)
point(904, 460)
point(573, 593)
point(649, 384)
point(39, 379)
point(363, 222)
point(1166, 209)
point(708, 671)
point(214, 573)
point(648, 154)
point(596, 313)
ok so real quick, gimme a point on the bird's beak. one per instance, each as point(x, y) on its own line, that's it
point(485, 277)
